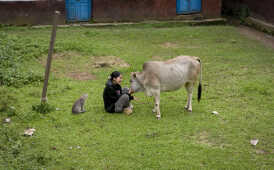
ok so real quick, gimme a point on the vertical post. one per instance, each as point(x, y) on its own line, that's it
point(51, 47)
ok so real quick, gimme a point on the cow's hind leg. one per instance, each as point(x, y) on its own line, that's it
point(189, 89)
point(149, 92)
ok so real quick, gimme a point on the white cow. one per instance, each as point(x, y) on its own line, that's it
point(168, 75)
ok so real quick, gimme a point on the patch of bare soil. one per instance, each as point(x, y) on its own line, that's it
point(169, 45)
point(67, 70)
point(202, 138)
point(63, 55)
point(259, 151)
point(266, 39)
point(81, 76)
point(59, 56)
point(108, 61)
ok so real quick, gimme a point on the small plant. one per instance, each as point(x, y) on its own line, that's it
point(243, 13)
point(43, 108)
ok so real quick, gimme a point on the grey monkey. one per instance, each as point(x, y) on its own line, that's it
point(78, 106)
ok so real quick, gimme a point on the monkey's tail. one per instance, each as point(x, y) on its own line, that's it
point(200, 82)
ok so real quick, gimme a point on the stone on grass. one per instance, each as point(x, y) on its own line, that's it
point(7, 120)
point(254, 142)
point(215, 113)
point(29, 132)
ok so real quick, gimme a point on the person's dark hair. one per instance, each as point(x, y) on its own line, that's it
point(114, 74)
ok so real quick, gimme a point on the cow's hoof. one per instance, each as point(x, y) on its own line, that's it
point(187, 109)
point(158, 117)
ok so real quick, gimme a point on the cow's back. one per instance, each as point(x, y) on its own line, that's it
point(173, 73)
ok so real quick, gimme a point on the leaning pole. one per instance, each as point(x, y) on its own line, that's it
point(50, 52)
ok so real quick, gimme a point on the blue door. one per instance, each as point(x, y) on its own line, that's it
point(188, 6)
point(182, 6)
point(78, 10)
point(195, 5)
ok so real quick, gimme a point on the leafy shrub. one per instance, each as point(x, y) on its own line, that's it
point(242, 12)
point(239, 11)
point(11, 144)
point(13, 53)
point(7, 103)
point(43, 108)
point(13, 147)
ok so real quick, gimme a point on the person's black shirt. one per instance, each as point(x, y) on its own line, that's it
point(112, 93)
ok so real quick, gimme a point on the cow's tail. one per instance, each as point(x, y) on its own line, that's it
point(200, 82)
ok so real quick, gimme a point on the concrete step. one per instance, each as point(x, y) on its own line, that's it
point(260, 25)
point(189, 17)
point(214, 21)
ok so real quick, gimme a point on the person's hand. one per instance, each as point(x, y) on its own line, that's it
point(130, 91)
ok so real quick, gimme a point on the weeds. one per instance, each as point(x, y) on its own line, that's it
point(13, 54)
point(43, 108)
point(7, 102)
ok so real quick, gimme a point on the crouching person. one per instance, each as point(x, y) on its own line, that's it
point(116, 99)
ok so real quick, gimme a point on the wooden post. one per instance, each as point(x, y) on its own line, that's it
point(51, 47)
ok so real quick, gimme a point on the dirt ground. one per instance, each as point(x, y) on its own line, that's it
point(266, 39)
point(169, 45)
point(97, 62)
point(109, 61)
point(81, 75)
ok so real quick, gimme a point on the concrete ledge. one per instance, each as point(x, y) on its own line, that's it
point(215, 21)
point(260, 25)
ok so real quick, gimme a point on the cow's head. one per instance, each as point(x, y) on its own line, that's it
point(135, 83)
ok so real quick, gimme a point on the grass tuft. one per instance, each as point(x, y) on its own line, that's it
point(43, 108)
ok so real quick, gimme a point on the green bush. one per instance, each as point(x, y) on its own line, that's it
point(240, 11)
point(43, 108)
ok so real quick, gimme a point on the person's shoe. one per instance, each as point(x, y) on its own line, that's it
point(128, 110)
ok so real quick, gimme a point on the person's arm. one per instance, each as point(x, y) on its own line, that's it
point(129, 94)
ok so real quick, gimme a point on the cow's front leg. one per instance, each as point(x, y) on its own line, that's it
point(154, 109)
point(157, 104)
point(150, 92)
point(189, 89)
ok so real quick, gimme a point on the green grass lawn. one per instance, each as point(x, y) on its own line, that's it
point(238, 79)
